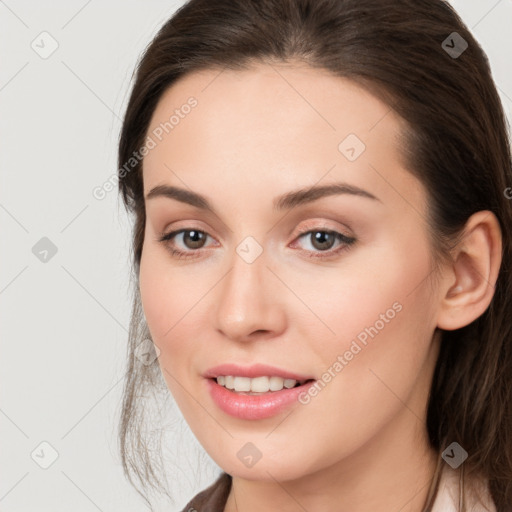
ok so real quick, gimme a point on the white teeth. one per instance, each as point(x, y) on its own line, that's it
point(255, 385)
point(289, 383)
point(260, 384)
point(276, 383)
point(242, 384)
point(229, 382)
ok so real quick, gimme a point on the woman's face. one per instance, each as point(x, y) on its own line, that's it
point(330, 284)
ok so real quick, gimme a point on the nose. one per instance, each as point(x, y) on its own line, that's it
point(248, 301)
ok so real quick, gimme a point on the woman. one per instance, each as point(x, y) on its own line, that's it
point(322, 255)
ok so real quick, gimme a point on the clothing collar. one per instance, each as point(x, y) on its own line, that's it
point(448, 495)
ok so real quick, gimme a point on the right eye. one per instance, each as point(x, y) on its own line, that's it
point(191, 239)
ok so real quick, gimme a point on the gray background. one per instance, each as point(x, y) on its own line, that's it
point(65, 321)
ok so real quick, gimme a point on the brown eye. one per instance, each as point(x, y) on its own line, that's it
point(194, 239)
point(325, 243)
point(187, 238)
point(322, 240)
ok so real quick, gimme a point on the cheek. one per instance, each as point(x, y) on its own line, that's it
point(165, 293)
point(174, 300)
point(365, 291)
point(377, 308)
point(164, 299)
point(156, 295)
point(383, 317)
point(165, 306)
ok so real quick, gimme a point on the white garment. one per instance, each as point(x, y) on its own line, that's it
point(447, 499)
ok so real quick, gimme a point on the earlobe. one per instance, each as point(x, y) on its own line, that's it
point(468, 288)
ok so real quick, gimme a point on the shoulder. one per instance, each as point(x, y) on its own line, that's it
point(476, 499)
point(213, 498)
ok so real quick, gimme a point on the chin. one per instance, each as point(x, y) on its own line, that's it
point(266, 469)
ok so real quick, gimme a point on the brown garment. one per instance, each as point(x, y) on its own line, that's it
point(213, 498)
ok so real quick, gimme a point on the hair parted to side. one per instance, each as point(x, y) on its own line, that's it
point(456, 143)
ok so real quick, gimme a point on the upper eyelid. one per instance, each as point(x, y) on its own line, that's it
point(318, 225)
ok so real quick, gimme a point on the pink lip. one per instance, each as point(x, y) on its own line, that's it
point(254, 407)
point(256, 370)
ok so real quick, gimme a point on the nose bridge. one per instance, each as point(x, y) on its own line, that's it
point(245, 301)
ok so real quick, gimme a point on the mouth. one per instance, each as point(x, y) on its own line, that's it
point(257, 391)
point(257, 385)
point(255, 398)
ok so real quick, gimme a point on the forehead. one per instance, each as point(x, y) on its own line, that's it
point(280, 93)
point(273, 123)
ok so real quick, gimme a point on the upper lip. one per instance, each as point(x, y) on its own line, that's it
point(255, 370)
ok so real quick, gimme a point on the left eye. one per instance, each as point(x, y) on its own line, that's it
point(323, 240)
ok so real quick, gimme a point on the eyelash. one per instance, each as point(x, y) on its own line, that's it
point(327, 254)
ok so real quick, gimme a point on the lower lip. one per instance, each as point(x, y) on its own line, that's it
point(254, 407)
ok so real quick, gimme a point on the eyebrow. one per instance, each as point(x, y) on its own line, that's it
point(285, 202)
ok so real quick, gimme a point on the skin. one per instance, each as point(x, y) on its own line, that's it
point(256, 134)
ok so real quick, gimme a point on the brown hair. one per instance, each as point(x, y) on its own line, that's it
point(456, 144)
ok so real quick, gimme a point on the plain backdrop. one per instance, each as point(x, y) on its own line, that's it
point(64, 273)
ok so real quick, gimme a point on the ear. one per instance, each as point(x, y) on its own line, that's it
point(468, 286)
